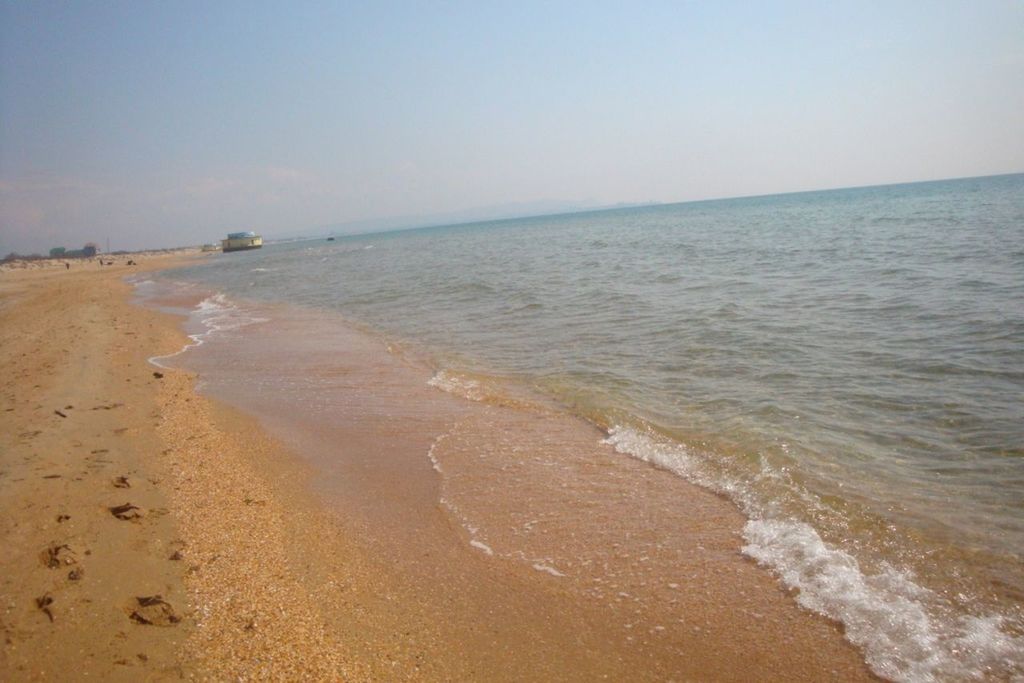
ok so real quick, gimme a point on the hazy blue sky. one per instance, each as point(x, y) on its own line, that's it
point(167, 123)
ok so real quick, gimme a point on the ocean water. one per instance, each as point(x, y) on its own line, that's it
point(846, 366)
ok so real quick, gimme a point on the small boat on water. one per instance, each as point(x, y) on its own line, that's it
point(239, 241)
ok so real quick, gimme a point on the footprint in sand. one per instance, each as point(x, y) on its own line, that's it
point(126, 512)
point(152, 610)
point(43, 603)
point(56, 556)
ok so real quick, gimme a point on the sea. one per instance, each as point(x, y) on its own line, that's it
point(846, 367)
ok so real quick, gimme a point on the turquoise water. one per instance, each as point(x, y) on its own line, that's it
point(847, 366)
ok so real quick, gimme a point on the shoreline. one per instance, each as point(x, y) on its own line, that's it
point(271, 579)
point(402, 512)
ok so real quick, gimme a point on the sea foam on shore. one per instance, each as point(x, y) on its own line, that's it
point(908, 632)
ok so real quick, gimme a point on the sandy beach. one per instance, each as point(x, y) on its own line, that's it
point(151, 532)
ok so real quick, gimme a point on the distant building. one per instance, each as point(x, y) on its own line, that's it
point(238, 241)
point(57, 252)
point(90, 249)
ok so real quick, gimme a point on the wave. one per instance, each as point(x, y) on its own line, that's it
point(473, 533)
point(216, 313)
point(907, 632)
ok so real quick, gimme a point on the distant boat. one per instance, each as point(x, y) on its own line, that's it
point(330, 239)
point(239, 241)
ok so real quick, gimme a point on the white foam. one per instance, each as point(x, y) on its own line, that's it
point(453, 509)
point(216, 302)
point(675, 458)
point(433, 458)
point(194, 340)
point(479, 545)
point(907, 632)
point(216, 313)
point(547, 568)
point(904, 633)
point(459, 386)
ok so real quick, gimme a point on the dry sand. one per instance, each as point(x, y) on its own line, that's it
point(78, 415)
point(222, 564)
point(87, 426)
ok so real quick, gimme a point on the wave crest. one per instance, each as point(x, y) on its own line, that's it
point(907, 632)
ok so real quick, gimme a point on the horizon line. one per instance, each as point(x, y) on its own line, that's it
point(626, 206)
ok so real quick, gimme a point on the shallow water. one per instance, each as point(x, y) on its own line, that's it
point(846, 366)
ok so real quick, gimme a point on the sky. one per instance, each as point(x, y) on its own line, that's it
point(159, 124)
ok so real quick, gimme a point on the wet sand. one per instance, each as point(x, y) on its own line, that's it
point(285, 545)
